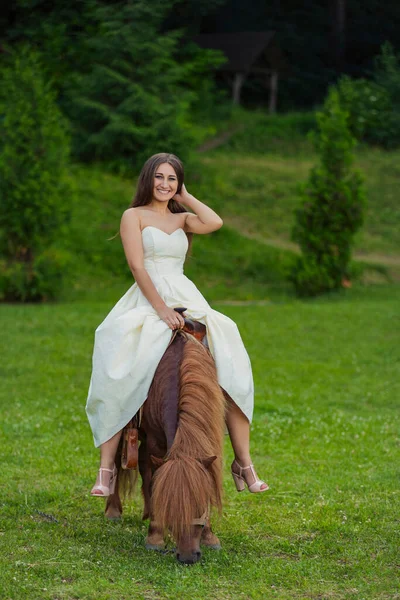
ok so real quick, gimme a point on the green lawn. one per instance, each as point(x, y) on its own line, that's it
point(325, 436)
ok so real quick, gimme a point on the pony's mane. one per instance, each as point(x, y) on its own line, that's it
point(199, 436)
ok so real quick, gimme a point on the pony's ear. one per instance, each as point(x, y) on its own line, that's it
point(157, 462)
point(207, 462)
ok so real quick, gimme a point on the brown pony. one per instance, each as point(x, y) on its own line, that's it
point(180, 455)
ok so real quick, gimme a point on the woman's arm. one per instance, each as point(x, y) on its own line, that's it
point(132, 242)
point(204, 220)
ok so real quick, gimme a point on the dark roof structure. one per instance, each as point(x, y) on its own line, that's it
point(244, 49)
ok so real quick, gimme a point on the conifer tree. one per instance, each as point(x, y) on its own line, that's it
point(332, 209)
point(132, 101)
point(34, 196)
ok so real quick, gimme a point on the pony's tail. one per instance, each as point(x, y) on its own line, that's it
point(127, 478)
point(182, 488)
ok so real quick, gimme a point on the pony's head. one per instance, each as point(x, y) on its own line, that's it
point(183, 491)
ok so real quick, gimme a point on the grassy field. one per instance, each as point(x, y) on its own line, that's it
point(325, 436)
point(262, 191)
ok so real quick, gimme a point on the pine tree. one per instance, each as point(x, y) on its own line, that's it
point(333, 206)
point(131, 103)
point(34, 196)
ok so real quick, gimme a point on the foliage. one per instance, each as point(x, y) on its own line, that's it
point(135, 100)
point(386, 72)
point(368, 106)
point(332, 210)
point(373, 105)
point(59, 30)
point(34, 196)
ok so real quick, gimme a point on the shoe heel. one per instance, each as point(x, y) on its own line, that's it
point(238, 482)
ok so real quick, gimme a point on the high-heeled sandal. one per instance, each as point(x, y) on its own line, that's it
point(240, 481)
point(103, 491)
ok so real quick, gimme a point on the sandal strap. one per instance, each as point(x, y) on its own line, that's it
point(112, 471)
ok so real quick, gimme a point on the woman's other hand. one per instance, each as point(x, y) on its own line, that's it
point(172, 318)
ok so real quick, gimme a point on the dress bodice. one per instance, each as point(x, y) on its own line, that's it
point(164, 254)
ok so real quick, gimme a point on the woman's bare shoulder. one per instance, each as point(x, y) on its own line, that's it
point(133, 213)
point(133, 210)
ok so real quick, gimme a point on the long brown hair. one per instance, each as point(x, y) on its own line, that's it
point(145, 184)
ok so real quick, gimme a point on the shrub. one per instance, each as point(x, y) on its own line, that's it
point(373, 106)
point(34, 196)
point(333, 207)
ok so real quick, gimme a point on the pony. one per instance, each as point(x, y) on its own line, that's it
point(181, 443)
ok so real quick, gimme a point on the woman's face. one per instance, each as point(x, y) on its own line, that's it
point(165, 183)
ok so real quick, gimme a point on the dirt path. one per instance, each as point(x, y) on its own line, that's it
point(218, 140)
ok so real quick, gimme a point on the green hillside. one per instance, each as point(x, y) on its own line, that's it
point(256, 195)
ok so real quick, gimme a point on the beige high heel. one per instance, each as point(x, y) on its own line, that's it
point(104, 491)
point(240, 481)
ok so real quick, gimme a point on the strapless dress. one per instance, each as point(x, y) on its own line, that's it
point(132, 339)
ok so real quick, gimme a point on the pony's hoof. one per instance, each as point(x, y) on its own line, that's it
point(156, 547)
point(210, 540)
point(212, 546)
point(113, 518)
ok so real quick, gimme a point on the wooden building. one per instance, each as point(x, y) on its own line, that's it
point(248, 52)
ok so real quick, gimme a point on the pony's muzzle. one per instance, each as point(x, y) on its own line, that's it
point(189, 559)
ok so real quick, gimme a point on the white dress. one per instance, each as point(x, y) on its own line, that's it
point(132, 339)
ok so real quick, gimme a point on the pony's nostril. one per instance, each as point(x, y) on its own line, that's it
point(198, 555)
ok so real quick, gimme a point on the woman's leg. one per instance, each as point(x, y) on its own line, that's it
point(108, 451)
point(239, 432)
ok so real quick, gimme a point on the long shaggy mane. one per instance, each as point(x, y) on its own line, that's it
point(183, 487)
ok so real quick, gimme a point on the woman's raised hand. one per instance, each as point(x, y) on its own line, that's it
point(183, 196)
point(172, 318)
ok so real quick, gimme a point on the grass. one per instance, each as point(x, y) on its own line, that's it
point(256, 194)
point(325, 436)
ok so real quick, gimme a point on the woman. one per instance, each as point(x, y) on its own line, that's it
point(135, 334)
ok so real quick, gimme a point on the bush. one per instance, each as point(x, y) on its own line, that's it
point(34, 196)
point(333, 207)
point(42, 279)
point(374, 106)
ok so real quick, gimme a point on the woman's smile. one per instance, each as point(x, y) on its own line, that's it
point(165, 182)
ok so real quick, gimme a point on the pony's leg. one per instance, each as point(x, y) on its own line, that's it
point(145, 474)
point(113, 510)
point(208, 538)
point(155, 537)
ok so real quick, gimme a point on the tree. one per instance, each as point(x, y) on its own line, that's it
point(34, 196)
point(332, 210)
point(134, 100)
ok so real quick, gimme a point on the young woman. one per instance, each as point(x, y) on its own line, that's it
point(131, 340)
